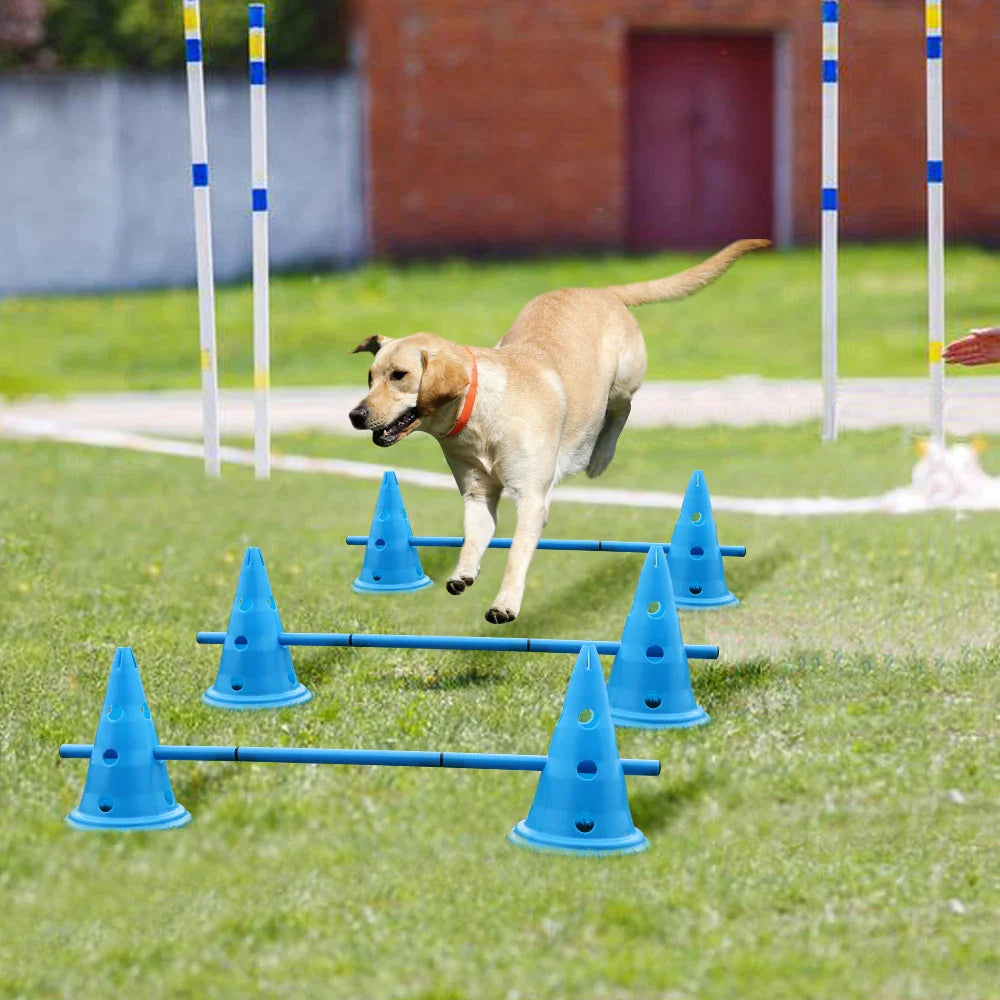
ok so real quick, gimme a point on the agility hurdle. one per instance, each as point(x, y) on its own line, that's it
point(466, 643)
point(650, 676)
point(830, 12)
point(548, 544)
point(203, 238)
point(357, 758)
point(580, 805)
point(392, 565)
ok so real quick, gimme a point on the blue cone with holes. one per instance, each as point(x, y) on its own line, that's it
point(650, 684)
point(694, 557)
point(581, 803)
point(255, 670)
point(392, 565)
point(127, 788)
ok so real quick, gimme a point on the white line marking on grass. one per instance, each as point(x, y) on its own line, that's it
point(949, 480)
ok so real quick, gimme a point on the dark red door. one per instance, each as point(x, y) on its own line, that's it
point(700, 135)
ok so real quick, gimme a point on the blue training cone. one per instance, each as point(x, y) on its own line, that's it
point(255, 670)
point(127, 788)
point(694, 556)
point(650, 684)
point(581, 803)
point(392, 564)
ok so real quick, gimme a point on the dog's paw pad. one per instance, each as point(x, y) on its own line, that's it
point(456, 586)
point(500, 616)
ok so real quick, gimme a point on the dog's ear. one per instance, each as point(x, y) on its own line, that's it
point(444, 379)
point(373, 344)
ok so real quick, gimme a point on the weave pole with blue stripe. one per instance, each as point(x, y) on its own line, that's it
point(259, 206)
point(829, 216)
point(935, 217)
point(202, 235)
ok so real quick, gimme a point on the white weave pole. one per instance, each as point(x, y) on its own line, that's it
point(935, 217)
point(258, 172)
point(202, 236)
point(829, 217)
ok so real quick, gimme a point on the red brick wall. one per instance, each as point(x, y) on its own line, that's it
point(21, 23)
point(501, 124)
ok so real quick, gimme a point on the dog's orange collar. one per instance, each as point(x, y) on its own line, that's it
point(470, 399)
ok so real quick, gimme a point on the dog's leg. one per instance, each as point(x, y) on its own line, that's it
point(531, 514)
point(480, 524)
point(607, 440)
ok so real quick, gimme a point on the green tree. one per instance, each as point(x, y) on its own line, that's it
point(148, 34)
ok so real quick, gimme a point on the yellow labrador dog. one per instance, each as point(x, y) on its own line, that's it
point(549, 400)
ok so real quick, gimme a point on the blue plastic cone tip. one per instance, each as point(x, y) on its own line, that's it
point(255, 670)
point(391, 564)
point(650, 683)
point(699, 577)
point(581, 802)
point(126, 788)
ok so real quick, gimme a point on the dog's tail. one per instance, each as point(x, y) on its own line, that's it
point(677, 286)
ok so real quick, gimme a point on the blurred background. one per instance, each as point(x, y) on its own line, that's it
point(422, 128)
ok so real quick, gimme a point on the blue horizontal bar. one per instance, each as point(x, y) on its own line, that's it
point(934, 47)
point(259, 199)
point(364, 758)
point(831, 13)
point(258, 72)
point(192, 50)
point(486, 644)
point(199, 174)
point(829, 199)
point(547, 544)
point(255, 12)
point(935, 171)
point(829, 70)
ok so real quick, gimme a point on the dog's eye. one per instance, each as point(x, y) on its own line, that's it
point(369, 380)
point(397, 375)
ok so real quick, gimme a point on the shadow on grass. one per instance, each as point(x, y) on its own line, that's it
point(745, 575)
point(610, 581)
point(657, 810)
point(717, 685)
point(315, 669)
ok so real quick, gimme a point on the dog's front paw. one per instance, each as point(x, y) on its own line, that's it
point(500, 616)
point(458, 584)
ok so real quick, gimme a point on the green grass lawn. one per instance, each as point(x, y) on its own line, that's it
point(762, 317)
point(832, 833)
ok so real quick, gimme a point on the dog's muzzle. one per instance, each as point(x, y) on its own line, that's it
point(359, 417)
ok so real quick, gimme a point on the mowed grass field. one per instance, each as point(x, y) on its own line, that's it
point(832, 833)
point(762, 317)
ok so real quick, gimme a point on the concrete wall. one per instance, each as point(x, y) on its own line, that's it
point(96, 189)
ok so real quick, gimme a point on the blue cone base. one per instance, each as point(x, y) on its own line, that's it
point(709, 604)
point(221, 699)
point(359, 586)
point(178, 816)
point(524, 836)
point(654, 720)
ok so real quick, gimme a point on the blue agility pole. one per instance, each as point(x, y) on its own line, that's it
point(552, 544)
point(371, 758)
point(362, 640)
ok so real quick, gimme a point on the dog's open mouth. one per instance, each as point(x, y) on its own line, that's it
point(397, 430)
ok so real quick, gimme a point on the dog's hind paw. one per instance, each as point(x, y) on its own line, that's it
point(500, 616)
point(458, 584)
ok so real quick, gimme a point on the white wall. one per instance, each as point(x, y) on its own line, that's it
point(95, 188)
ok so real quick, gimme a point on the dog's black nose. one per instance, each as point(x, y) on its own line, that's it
point(358, 417)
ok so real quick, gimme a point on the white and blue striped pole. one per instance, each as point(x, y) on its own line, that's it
point(829, 217)
point(258, 174)
point(202, 236)
point(935, 218)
